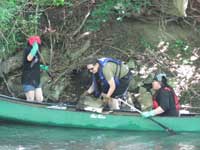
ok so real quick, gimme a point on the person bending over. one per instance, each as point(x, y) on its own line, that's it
point(110, 79)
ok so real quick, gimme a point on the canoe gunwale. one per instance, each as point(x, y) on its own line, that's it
point(73, 108)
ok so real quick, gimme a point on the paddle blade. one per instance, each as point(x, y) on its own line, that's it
point(170, 131)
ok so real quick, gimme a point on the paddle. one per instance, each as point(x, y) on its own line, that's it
point(43, 61)
point(172, 132)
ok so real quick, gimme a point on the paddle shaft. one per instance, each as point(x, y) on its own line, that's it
point(158, 123)
point(43, 61)
point(189, 107)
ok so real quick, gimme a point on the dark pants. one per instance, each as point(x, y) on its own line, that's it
point(122, 89)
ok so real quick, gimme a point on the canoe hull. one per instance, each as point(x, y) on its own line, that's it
point(21, 111)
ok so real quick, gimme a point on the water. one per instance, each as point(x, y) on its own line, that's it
point(26, 137)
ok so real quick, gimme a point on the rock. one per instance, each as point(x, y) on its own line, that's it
point(53, 91)
point(11, 64)
point(149, 79)
point(15, 86)
point(90, 101)
point(145, 99)
point(132, 85)
point(135, 83)
point(131, 64)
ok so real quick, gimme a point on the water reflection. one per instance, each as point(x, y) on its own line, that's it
point(23, 137)
point(183, 146)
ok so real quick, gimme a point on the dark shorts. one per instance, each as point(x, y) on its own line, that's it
point(124, 84)
point(27, 88)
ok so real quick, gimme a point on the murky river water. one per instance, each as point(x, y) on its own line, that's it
point(27, 137)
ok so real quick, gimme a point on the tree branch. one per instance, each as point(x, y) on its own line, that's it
point(5, 81)
point(82, 24)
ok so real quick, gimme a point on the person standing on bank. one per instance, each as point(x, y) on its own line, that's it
point(31, 70)
point(111, 79)
point(165, 101)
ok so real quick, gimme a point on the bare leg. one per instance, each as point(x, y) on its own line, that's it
point(30, 96)
point(38, 95)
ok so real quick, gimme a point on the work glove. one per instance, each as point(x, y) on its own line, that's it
point(34, 49)
point(44, 67)
point(147, 114)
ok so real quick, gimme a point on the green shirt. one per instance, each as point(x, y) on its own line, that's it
point(111, 70)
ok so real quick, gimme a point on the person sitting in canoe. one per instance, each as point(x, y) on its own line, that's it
point(165, 101)
point(111, 79)
point(31, 70)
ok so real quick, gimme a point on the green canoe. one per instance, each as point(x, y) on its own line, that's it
point(13, 109)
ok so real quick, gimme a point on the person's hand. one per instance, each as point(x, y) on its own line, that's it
point(106, 100)
point(103, 95)
point(85, 93)
point(147, 114)
point(44, 67)
point(34, 49)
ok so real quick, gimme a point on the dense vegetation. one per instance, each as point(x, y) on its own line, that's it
point(73, 30)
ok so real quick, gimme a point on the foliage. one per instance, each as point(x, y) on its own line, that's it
point(182, 47)
point(58, 2)
point(190, 97)
point(52, 2)
point(145, 44)
point(179, 44)
point(100, 15)
point(8, 10)
point(20, 19)
point(119, 8)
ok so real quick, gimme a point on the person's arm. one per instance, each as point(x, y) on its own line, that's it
point(33, 51)
point(153, 112)
point(158, 111)
point(91, 89)
point(163, 106)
